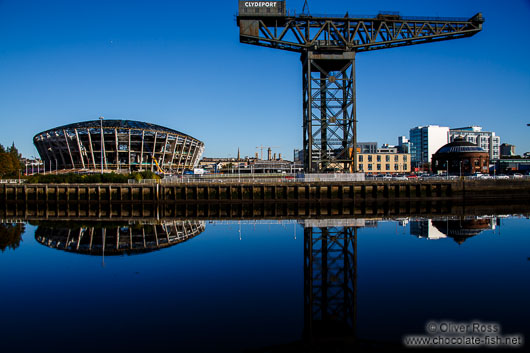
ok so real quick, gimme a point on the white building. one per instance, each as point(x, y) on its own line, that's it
point(425, 141)
point(423, 228)
point(485, 139)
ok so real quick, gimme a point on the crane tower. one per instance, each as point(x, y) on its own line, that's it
point(327, 47)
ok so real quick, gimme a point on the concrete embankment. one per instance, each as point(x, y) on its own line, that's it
point(486, 190)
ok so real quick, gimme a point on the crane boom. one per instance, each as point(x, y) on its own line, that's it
point(300, 33)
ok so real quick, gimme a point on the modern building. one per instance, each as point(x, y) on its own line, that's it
point(487, 140)
point(403, 144)
point(425, 141)
point(386, 148)
point(461, 157)
point(118, 145)
point(507, 150)
point(375, 163)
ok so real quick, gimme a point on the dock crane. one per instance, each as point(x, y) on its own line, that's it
point(327, 46)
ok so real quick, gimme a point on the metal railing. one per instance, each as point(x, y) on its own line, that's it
point(12, 181)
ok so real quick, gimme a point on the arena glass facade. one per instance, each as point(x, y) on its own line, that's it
point(121, 145)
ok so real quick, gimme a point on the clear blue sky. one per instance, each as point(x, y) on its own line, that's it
point(180, 64)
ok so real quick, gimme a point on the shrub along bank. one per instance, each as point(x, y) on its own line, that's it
point(73, 178)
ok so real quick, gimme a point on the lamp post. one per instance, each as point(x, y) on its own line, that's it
point(101, 130)
point(55, 166)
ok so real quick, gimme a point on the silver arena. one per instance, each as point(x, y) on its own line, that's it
point(118, 145)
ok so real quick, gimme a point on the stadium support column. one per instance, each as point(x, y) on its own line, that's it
point(329, 111)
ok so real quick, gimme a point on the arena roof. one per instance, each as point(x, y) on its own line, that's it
point(123, 124)
point(460, 146)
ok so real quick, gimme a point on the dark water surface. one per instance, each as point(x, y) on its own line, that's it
point(267, 285)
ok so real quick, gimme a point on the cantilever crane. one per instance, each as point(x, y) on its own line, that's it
point(328, 45)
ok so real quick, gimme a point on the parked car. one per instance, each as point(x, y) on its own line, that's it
point(517, 175)
point(502, 176)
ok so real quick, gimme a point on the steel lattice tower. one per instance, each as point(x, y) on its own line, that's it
point(328, 45)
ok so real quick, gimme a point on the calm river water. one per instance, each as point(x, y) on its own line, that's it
point(258, 286)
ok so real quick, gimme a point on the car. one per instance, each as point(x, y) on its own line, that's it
point(517, 175)
point(412, 176)
point(502, 176)
point(400, 177)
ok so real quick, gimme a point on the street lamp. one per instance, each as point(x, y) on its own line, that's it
point(101, 130)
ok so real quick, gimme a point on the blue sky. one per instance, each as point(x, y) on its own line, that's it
point(180, 64)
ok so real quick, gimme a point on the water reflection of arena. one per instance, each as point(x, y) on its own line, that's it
point(114, 239)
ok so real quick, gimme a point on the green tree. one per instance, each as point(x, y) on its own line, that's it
point(10, 164)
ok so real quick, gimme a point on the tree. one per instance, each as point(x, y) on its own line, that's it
point(14, 151)
point(10, 163)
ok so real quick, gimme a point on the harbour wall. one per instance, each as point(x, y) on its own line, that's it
point(486, 190)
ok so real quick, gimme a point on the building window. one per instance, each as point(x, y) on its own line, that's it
point(360, 167)
point(379, 158)
point(370, 166)
point(379, 167)
point(396, 166)
point(387, 158)
point(369, 158)
point(387, 167)
point(396, 158)
point(360, 158)
point(404, 158)
point(405, 167)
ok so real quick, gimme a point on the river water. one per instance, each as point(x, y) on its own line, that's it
point(196, 285)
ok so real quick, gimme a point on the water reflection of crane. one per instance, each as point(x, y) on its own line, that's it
point(330, 274)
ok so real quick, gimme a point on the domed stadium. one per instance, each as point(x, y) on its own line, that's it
point(118, 145)
point(460, 157)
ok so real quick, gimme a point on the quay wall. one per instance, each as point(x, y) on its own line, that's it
point(268, 192)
